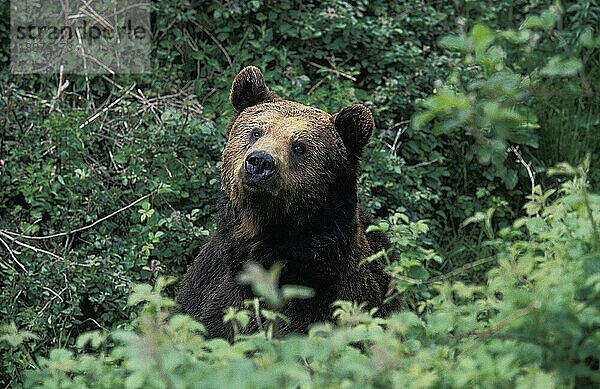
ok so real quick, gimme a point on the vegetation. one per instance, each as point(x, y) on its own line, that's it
point(484, 174)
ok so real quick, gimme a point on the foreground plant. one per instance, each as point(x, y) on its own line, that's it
point(534, 323)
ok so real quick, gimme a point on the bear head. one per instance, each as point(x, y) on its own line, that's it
point(282, 159)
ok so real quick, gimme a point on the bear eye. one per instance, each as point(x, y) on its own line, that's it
point(299, 148)
point(256, 133)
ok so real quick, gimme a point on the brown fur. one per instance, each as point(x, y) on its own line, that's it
point(282, 123)
point(305, 216)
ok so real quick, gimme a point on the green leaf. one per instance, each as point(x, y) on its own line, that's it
point(295, 291)
point(482, 37)
point(120, 158)
point(510, 179)
point(142, 292)
point(417, 272)
point(560, 65)
point(484, 155)
point(455, 42)
point(13, 336)
point(93, 338)
point(422, 118)
point(545, 21)
point(588, 40)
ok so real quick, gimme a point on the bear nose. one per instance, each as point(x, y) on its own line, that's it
point(260, 165)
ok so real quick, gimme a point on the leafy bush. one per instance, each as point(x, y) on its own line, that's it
point(497, 109)
point(535, 324)
point(110, 182)
point(90, 209)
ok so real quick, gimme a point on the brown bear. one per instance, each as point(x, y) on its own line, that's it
point(289, 195)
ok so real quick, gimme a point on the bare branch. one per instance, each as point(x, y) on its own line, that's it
point(105, 109)
point(12, 255)
point(461, 269)
point(87, 227)
point(36, 249)
point(530, 172)
point(332, 70)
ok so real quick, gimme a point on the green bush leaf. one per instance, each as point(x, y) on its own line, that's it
point(561, 66)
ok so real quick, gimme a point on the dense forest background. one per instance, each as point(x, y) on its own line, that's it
point(483, 172)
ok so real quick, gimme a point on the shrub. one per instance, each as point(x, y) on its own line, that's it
point(95, 200)
point(534, 323)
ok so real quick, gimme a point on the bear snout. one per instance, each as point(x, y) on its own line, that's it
point(259, 166)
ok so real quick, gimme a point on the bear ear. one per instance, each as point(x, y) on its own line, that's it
point(249, 89)
point(355, 125)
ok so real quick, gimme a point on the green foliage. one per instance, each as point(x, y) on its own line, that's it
point(111, 182)
point(492, 106)
point(62, 176)
point(533, 324)
point(265, 285)
point(518, 100)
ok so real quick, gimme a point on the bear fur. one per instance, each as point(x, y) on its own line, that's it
point(299, 210)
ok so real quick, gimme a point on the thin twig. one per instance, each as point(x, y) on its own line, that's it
point(98, 62)
point(87, 227)
point(444, 277)
point(332, 70)
point(105, 109)
point(61, 87)
point(95, 322)
point(518, 314)
point(530, 172)
point(214, 39)
point(88, 10)
point(22, 97)
point(149, 104)
point(56, 295)
point(596, 242)
point(82, 50)
point(461, 269)
point(421, 164)
point(12, 255)
point(36, 249)
point(401, 130)
point(314, 87)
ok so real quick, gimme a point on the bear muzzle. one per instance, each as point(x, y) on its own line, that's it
point(259, 169)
